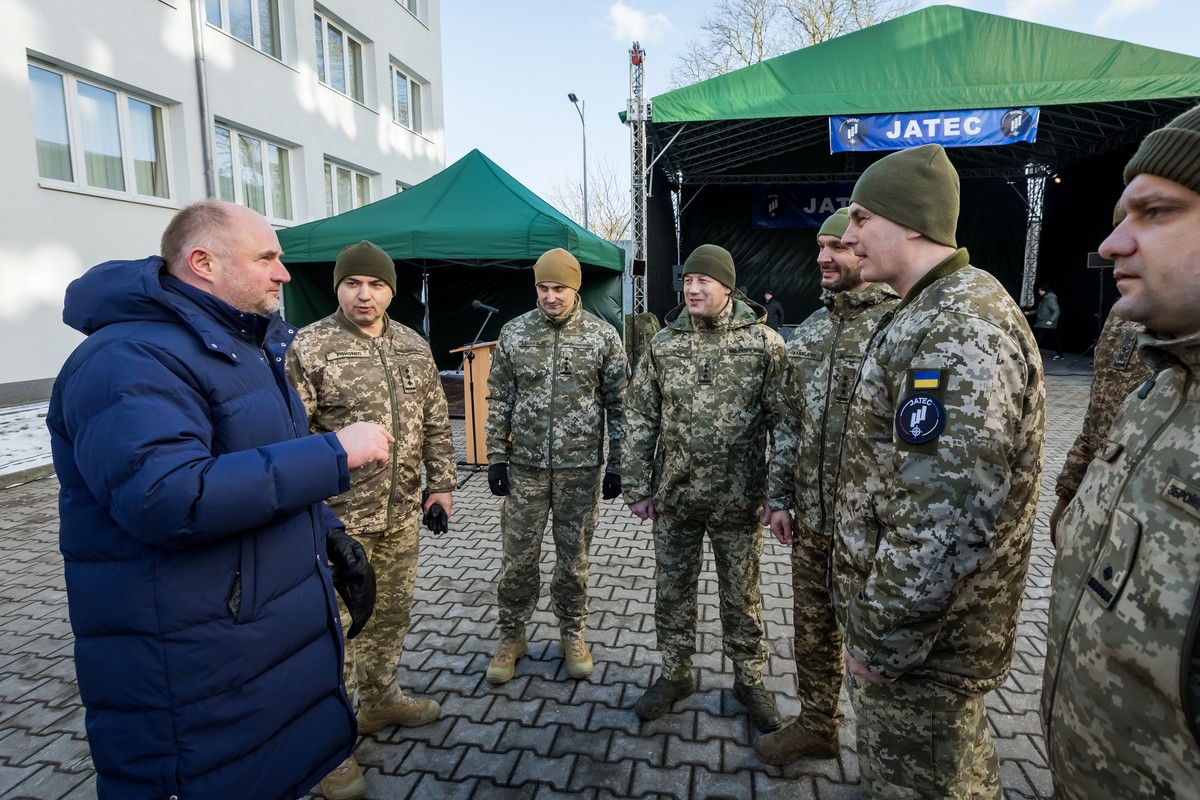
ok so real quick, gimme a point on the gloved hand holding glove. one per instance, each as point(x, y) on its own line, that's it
point(611, 487)
point(353, 577)
point(498, 479)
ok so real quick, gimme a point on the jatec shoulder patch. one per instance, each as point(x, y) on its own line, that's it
point(921, 418)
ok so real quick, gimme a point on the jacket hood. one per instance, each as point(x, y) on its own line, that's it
point(745, 312)
point(117, 291)
point(849, 304)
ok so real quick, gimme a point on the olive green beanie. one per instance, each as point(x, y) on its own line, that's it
point(558, 266)
point(714, 261)
point(367, 259)
point(836, 224)
point(1171, 152)
point(916, 188)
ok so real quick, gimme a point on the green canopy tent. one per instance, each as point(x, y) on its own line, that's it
point(768, 124)
point(470, 232)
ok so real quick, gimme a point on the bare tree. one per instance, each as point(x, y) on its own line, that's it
point(738, 33)
point(608, 201)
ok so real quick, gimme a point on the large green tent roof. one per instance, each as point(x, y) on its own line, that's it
point(472, 212)
point(1096, 93)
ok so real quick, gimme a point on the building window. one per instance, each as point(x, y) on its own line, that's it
point(255, 22)
point(92, 136)
point(345, 189)
point(406, 99)
point(401, 186)
point(254, 172)
point(339, 59)
point(411, 5)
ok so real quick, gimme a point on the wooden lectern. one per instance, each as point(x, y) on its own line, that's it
point(477, 363)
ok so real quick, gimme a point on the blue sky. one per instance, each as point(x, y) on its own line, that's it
point(508, 68)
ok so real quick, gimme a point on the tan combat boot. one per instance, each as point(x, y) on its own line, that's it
point(408, 712)
point(795, 741)
point(500, 668)
point(345, 782)
point(576, 655)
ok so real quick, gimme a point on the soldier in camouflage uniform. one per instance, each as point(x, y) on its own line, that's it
point(555, 387)
point(1118, 371)
point(823, 357)
point(695, 462)
point(939, 480)
point(1121, 691)
point(357, 365)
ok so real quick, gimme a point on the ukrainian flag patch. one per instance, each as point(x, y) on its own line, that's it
point(926, 378)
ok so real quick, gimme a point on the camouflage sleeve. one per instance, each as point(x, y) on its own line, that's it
point(502, 399)
point(441, 471)
point(946, 496)
point(1111, 384)
point(781, 473)
point(612, 389)
point(643, 416)
point(300, 376)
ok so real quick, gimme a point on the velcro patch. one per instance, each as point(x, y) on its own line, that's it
point(920, 418)
point(1183, 495)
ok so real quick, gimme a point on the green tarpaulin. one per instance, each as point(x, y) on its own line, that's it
point(471, 232)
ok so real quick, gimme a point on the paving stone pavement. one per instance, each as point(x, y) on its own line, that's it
point(542, 735)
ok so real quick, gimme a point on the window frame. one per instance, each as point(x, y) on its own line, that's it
point(77, 151)
point(355, 79)
point(358, 177)
point(225, 26)
point(416, 93)
point(265, 143)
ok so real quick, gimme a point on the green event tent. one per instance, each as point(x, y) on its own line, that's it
point(721, 140)
point(470, 232)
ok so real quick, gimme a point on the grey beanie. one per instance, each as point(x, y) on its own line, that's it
point(1171, 152)
point(917, 188)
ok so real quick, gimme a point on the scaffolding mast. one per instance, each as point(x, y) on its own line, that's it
point(1035, 194)
point(637, 117)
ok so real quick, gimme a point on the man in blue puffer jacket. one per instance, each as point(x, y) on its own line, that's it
point(207, 643)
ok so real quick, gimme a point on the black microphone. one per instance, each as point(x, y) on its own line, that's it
point(484, 306)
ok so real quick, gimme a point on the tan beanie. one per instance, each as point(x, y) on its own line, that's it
point(916, 188)
point(836, 223)
point(367, 259)
point(558, 266)
point(714, 261)
point(1171, 152)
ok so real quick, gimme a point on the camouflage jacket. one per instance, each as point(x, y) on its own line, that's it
point(823, 357)
point(1121, 694)
point(940, 470)
point(698, 414)
point(344, 376)
point(1119, 370)
point(554, 386)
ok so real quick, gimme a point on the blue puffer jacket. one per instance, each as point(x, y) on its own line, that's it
point(207, 643)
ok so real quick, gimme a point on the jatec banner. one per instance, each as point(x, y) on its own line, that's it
point(990, 126)
point(803, 205)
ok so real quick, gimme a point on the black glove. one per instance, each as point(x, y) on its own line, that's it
point(353, 577)
point(498, 479)
point(435, 519)
point(611, 487)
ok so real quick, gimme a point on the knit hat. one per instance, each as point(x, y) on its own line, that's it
point(558, 266)
point(1171, 152)
point(714, 261)
point(367, 259)
point(916, 188)
point(835, 224)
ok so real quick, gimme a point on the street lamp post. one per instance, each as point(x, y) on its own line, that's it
point(580, 106)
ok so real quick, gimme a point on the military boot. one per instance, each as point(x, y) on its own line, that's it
point(761, 705)
point(346, 782)
point(576, 655)
point(795, 741)
point(659, 698)
point(407, 712)
point(504, 662)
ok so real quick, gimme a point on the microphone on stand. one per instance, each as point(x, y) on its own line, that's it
point(484, 306)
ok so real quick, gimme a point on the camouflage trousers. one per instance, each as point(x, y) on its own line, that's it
point(571, 498)
point(737, 546)
point(373, 657)
point(917, 739)
point(818, 642)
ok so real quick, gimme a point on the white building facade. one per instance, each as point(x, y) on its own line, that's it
point(121, 112)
